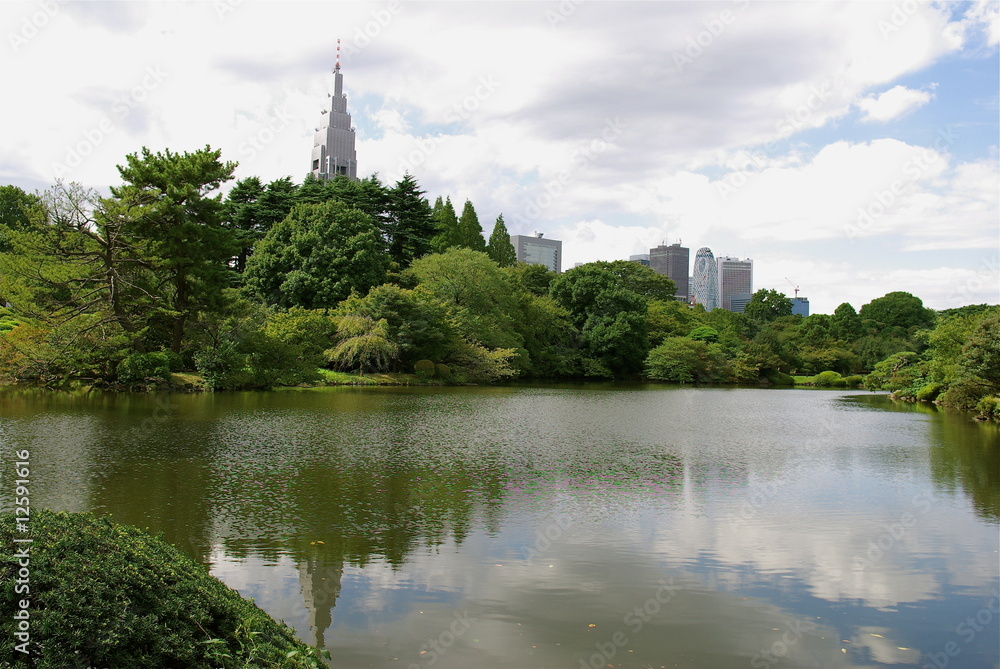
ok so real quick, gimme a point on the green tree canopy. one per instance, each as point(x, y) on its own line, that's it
point(188, 244)
point(899, 310)
point(767, 305)
point(411, 226)
point(470, 230)
point(499, 249)
point(316, 256)
point(448, 233)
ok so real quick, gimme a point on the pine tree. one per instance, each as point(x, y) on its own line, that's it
point(500, 250)
point(411, 226)
point(471, 232)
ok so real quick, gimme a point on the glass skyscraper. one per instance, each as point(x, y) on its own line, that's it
point(705, 288)
point(333, 147)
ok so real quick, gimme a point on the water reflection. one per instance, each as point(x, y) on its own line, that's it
point(522, 526)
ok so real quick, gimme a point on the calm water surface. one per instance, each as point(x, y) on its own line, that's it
point(530, 527)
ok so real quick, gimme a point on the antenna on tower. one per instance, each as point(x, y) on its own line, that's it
point(336, 67)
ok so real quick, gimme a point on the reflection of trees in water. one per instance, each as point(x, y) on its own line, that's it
point(966, 454)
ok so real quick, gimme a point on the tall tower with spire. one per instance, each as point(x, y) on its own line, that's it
point(333, 147)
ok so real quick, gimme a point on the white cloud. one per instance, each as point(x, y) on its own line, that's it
point(893, 103)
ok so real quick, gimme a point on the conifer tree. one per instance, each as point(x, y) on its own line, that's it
point(500, 250)
point(446, 224)
point(470, 231)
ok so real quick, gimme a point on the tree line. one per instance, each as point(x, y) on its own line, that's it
point(276, 282)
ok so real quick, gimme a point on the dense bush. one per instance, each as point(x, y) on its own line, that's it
point(138, 367)
point(424, 368)
point(442, 371)
point(854, 380)
point(929, 392)
point(108, 595)
point(989, 408)
point(829, 379)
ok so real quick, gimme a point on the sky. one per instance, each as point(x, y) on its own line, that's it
point(849, 148)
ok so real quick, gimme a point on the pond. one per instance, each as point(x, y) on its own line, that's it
point(557, 526)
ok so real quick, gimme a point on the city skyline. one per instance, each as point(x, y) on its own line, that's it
point(866, 164)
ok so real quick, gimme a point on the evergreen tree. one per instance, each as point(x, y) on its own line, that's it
point(446, 224)
point(190, 246)
point(470, 231)
point(411, 226)
point(500, 250)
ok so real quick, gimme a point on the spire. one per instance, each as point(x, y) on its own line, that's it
point(336, 67)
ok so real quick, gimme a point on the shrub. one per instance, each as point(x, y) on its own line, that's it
point(963, 394)
point(929, 392)
point(854, 380)
point(829, 379)
point(108, 595)
point(989, 408)
point(138, 367)
point(780, 378)
point(424, 368)
point(442, 371)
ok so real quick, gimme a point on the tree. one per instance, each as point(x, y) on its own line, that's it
point(446, 224)
point(15, 210)
point(981, 354)
point(470, 231)
point(363, 343)
point(686, 360)
point(898, 310)
point(478, 294)
point(535, 279)
point(499, 249)
point(188, 243)
point(845, 323)
point(411, 226)
point(609, 303)
point(767, 305)
point(316, 256)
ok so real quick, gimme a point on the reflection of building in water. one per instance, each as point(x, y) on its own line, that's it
point(320, 583)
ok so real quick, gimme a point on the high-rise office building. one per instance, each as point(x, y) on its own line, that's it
point(800, 305)
point(705, 283)
point(333, 151)
point(536, 250)
point(672, 262)
point(735, 279)
point(641, 258)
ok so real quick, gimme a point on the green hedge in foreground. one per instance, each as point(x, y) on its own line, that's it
point(105, 595)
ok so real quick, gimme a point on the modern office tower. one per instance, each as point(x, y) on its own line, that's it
point(672, 262)
point(333, 151)
point(641, 258)
point(739, 301)
point(538, 251)
point(735, 278)
point(705, 282)
point(800, 306)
